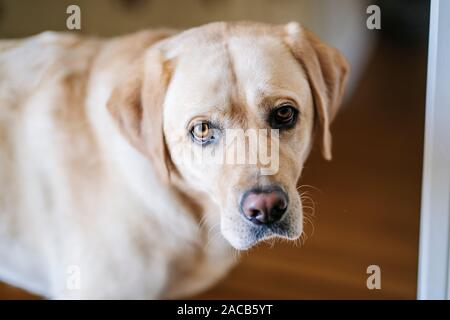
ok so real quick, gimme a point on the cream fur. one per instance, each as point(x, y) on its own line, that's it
point(75, 192)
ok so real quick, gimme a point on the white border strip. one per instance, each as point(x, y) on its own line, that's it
point(433, 281)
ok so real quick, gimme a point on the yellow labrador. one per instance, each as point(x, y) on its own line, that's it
point(97, 197)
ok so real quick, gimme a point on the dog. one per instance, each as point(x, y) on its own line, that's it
point(93, 201)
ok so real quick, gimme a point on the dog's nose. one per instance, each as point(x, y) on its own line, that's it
point(264, 207)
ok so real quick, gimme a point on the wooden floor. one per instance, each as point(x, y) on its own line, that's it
point(367, 200)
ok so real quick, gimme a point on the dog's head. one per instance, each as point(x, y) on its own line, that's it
point(230, 109)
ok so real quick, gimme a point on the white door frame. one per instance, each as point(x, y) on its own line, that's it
point(434, 254)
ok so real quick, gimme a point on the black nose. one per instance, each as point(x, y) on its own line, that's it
point(264, 206)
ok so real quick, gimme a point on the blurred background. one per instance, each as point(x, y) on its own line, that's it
point(365, 204)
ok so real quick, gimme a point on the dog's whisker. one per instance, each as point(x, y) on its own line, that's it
point(237, 255)
point(303, 238)
point(308, 207)
point(309, 211)
point(298, 242)
point(310, 221)
point(309, 186)
point(305, 196)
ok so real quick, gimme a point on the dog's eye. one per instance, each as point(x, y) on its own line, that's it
point(283, 117)
point(202, 132)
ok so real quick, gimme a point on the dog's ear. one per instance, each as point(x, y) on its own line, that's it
point(136, 105)
point(327, 72)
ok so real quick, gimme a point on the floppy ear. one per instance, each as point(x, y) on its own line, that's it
point(136, 105)
point(327, 72)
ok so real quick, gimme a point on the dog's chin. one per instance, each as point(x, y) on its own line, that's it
point(255, 234)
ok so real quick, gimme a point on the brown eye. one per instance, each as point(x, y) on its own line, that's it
point(284, 114)
point(283, 117)
point(202, 132)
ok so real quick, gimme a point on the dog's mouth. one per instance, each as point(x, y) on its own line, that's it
point(251, 234)
point(280, 229)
